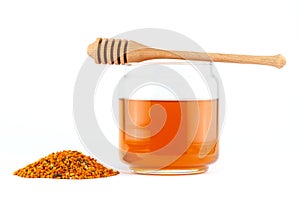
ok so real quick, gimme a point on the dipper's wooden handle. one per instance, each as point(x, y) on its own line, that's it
point(117, 51)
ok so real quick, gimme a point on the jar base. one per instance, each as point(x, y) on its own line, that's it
point(198, 170)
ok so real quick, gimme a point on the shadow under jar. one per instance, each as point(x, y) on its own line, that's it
point(168, 117)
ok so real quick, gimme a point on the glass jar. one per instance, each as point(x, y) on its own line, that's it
point(169, 116)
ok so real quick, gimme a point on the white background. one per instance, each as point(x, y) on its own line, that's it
point(43, 45)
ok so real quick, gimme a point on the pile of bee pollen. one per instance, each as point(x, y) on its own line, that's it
point(66, 165)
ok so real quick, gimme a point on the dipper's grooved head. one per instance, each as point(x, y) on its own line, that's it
point(108, 51)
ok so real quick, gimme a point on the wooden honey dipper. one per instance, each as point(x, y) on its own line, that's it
point(117, 51)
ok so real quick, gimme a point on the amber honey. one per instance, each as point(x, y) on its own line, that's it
point(168, 137)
